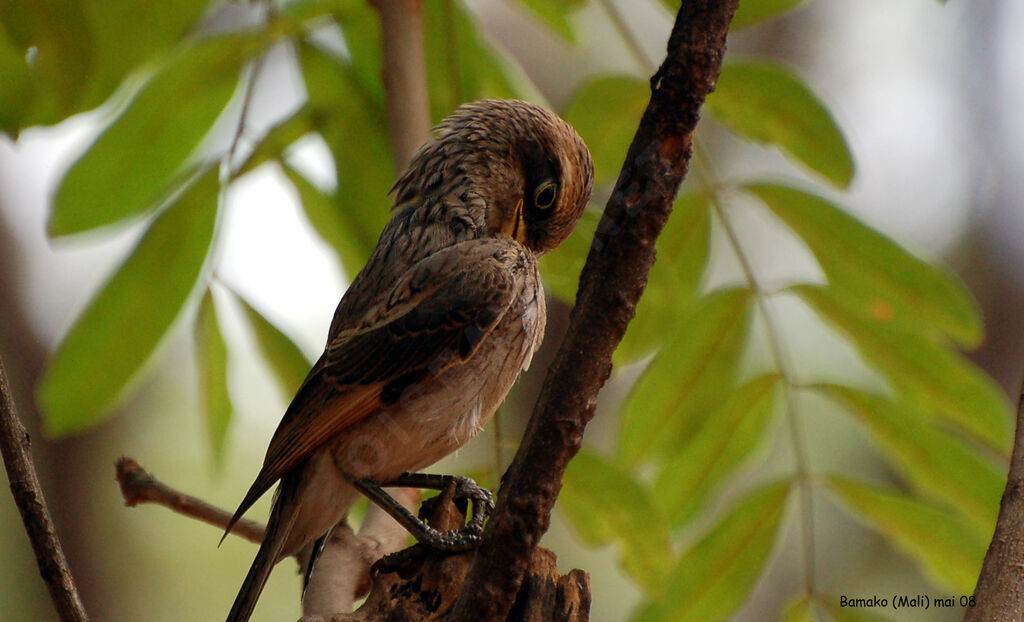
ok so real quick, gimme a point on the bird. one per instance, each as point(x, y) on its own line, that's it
point(431, 334)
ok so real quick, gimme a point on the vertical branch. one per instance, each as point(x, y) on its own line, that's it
point(28, 495)
point(999, 594)
point(405, 77)
point(610, 286)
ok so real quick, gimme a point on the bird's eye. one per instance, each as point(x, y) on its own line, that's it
point(544, 197)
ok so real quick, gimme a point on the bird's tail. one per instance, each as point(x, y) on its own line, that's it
point(282, 519)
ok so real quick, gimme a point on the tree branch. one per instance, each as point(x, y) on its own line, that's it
point(138, 486)
point(610, 286)
point(999, 594)
point(346, 559)
point(28, 495)
point(421, 584)
point(405, 77)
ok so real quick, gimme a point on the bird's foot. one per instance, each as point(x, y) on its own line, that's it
point(468, 537)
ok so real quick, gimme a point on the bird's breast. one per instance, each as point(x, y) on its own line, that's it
point(436, 416)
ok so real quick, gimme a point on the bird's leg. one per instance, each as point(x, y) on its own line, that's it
point(465, 488)
point(453, 540)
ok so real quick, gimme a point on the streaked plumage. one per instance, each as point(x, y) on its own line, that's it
point(437, 326)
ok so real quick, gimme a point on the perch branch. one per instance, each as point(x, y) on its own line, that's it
point(999, 594)
point(138, 486)
point(28, 495)
point(610, 286)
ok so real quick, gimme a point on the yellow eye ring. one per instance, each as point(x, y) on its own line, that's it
point(544, 196)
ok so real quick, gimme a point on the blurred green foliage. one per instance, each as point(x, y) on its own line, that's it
point(123, 324)
point(212, 363)
point(697, 415)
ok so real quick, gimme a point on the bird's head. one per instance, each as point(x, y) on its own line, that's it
point(525, 168)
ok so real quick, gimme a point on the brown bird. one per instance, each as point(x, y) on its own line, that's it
point(431, 334)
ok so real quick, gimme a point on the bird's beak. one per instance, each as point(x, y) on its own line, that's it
point(514, 227)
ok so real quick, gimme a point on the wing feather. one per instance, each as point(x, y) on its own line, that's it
point(435, 316)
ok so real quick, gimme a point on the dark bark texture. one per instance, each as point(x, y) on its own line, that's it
point(999, 594)
point(421, 584)
point(28, 495)
point(610, 286)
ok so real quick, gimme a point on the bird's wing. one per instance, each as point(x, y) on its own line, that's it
point(433, 317)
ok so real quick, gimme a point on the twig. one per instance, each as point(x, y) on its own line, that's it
point(346, 559)
point(138, 486)
point(999, 594)
point(405, 77)
point(781, 363)
point(783, 366)
point(28, 495)
point(610, 286)
point(255, 67)
point(243, 116)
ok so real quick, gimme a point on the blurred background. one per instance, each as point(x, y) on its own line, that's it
point(924, 92)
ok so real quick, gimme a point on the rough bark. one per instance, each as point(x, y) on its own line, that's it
point(16, 448)
point(999, 594)
point(421, 584)
point(610, 286)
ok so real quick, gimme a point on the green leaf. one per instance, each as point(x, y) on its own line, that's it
point(17, 93)
point(278, 138)
point(56, 30)
point(360, 24)
point(683, 251)
point(130, 315)
point(948, 550)
point(555, 15)
point(461, 64)
point(657, 315)
point(799, 611)
point(752, 12)
point(688, 378)
point(768, 103)
point(212, 361)
point(936, 462)
point(931, 377)
point(127, 33)
point(159, 129)
point(364, 174)
point(332, 223)
point(874, 275)
point(561, 267)
point(593, 105)
point(714, 578)
point(605, 504)
point(728, 436)
point(287, 362)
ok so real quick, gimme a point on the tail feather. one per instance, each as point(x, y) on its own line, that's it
point(282, 519)
point(255, 492)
